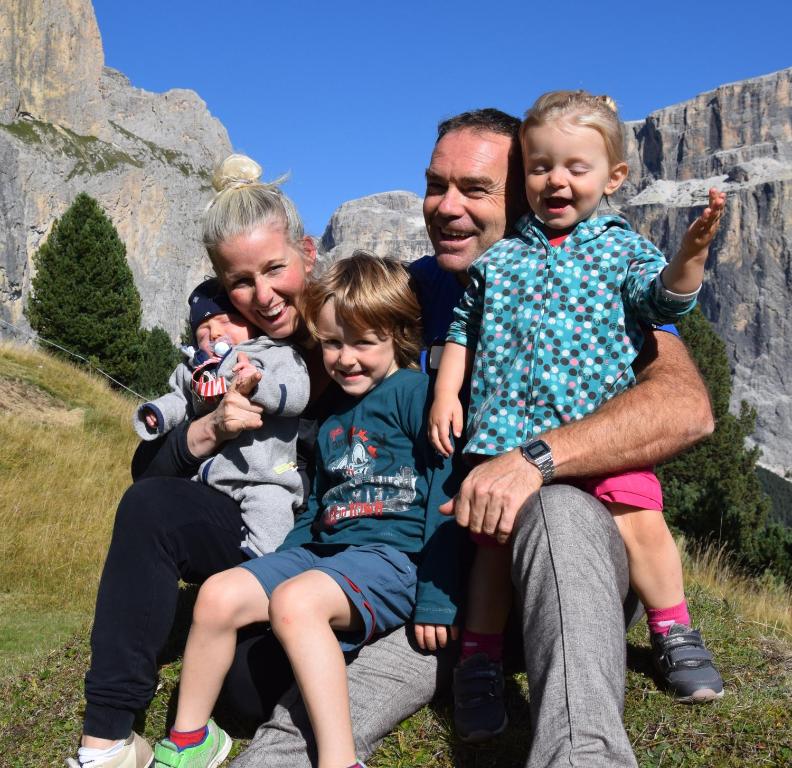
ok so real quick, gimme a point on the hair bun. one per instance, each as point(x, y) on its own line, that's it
point(234, 171)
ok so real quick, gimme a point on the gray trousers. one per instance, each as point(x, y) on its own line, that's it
point(570, 574)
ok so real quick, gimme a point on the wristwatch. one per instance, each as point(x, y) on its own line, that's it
point(538, 453)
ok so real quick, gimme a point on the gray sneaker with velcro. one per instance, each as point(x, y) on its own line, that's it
point(479, 708)
point(686, 666)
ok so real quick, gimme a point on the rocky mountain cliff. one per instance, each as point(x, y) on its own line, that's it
point(68, 124)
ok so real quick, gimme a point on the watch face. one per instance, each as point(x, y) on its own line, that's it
point(536, 449)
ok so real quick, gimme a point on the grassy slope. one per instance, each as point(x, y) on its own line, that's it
point(65, 439)
point(40, 710)
point(65, 443)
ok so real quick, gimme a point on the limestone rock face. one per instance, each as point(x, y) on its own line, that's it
point(388, 224)
point(51, 54)
point(739, 139)
point(69, 125)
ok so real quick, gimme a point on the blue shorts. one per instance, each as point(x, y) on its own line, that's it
point(378, 579)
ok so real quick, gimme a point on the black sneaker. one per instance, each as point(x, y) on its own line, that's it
point(479, 710)
point(686, 665)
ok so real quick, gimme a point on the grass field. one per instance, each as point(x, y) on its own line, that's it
point(65, 444)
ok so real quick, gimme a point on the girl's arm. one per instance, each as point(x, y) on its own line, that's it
point(685, 272)
point(660, 293)
point(446, 415)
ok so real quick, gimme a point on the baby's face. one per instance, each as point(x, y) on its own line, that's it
point(233, 329)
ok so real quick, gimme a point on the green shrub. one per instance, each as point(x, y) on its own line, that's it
point(158, 358)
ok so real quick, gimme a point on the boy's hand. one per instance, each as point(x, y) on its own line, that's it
point(430, 637)
point(245, 371)
point(445, 416)
point(702, 231)
point(150, 418)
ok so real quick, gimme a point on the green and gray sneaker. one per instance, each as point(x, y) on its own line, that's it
point(208, 754)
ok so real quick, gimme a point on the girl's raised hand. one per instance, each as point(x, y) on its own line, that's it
point(702, 231)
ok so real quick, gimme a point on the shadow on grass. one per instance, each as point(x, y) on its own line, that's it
point(639, 660)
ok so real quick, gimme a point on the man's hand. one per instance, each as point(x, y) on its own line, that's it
point(445, 415)
point(493, 493)
point(430, 637)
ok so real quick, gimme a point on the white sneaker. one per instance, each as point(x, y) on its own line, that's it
point(135, 752)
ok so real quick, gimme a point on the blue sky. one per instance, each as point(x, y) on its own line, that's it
point(346, 95)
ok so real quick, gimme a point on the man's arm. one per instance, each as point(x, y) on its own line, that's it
point(666, 412)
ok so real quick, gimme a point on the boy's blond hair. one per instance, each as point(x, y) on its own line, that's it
point(369, 293)
point(579, 108)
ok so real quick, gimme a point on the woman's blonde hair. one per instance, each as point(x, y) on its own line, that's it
point(242, 203)
point(369, 293)
point(579, 108)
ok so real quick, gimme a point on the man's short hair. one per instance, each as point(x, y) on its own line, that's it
point(488, 119)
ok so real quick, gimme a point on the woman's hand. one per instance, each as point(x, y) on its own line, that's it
point(430, 637)
point(235, 414)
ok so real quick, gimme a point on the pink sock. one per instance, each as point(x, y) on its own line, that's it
point(660, 620)
point(479, 642)
point(185, 739)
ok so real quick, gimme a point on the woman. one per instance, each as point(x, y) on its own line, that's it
point(167, 527)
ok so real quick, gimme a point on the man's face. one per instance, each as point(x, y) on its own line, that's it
point(465, 202)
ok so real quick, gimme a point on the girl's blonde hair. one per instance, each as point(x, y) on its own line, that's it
point(242, 203)
point(579, 108)
point(369, 293)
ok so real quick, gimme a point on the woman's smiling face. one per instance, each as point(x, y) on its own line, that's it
point(264, 275)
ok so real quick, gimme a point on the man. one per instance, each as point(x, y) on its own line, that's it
point(569, 564)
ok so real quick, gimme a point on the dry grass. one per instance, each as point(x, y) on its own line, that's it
point(65, 445)
point(767, 602)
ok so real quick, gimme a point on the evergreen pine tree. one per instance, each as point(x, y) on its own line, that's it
point(84, 297)
point(712, 492)
point(158, 358)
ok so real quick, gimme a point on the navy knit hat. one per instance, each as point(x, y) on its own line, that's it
point(207, 300)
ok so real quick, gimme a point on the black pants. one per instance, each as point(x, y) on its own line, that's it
point(166, 528)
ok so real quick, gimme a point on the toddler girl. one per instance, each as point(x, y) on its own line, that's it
point(370, 552)
point(549, 326)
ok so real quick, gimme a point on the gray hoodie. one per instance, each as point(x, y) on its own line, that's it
point(258, 468)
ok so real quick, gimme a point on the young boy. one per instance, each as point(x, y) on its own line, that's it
point(258, 468)
point(371, 551)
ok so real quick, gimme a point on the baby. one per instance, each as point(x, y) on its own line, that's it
point(258, 468)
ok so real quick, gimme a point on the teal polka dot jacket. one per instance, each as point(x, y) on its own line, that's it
point(556, 329)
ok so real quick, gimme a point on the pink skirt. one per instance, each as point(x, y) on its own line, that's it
point(637, 488)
